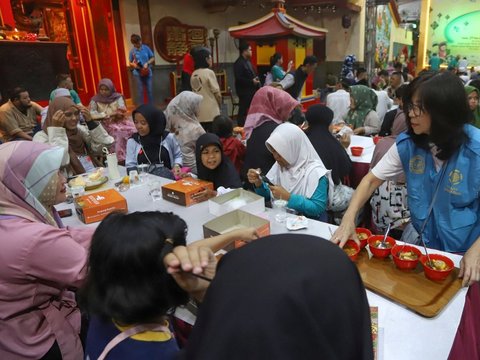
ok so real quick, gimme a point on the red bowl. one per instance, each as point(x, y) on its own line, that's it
point(352, 244)
point(376, 139)
point(363, 242)
point(380, 253)
point(356, 150)
point(404, 264)
point(436, 275)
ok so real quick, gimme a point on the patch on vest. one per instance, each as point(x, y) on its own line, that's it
point(417, 164)
point(455, 177)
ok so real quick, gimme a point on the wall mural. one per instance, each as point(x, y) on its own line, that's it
point(454, 31)
point(384, 29)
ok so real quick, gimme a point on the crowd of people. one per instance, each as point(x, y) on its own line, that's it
point(132, 271)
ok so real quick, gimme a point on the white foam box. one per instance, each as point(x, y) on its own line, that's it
point(236, 199)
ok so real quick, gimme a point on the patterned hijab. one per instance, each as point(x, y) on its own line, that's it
point(365, 101)
point(269, 104)
point(28, 181)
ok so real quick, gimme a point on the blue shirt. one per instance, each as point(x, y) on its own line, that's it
point(142, 56)
point(312, 207)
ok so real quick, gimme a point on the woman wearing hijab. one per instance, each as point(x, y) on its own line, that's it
point(270, 107)
point(362, 115)
point(331, 152)
point(276, 313)
point(81, 143)
point(40, 259)
point(473, 94)
point(182, 120)
point(204, 82)
point(298, 175)
point(151, 144)
point(213, 165)
point(109, 106)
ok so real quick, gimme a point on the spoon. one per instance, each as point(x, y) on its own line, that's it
point(383, 244)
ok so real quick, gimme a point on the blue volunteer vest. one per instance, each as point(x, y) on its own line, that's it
point(454, 223)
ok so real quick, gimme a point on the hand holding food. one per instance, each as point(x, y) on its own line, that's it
point(253, 176)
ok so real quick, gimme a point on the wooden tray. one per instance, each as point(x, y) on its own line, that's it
point(409, 288)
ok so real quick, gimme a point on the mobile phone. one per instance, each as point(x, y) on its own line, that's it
point(65, 213)
point(267, 180)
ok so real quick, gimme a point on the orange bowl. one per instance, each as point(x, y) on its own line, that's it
point(376, 139)
point(351, 244)
point(363, 242)
point(356, 150)
point(405, 264)
point(377, 252)
point(433, 274)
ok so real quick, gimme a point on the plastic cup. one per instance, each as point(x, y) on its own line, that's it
point(279, 207)
point(155, 192)
point(143, 172)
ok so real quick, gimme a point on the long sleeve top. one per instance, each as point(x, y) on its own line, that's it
point(170, 143)
point(312, 207)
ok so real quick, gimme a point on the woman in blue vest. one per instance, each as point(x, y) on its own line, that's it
point(440, 155)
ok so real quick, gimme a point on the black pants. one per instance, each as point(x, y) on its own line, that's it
point(244, 102)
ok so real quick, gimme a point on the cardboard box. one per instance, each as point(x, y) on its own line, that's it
point(237, 199)
point(96, 206)
point(182, 192)
point(234, 220)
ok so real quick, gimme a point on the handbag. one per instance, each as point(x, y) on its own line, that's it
point(143, 71)
point(158, 169)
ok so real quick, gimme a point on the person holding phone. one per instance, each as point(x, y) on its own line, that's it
point(299, 175)
point(276, 62)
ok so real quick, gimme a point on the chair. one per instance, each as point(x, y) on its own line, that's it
point(234, 100)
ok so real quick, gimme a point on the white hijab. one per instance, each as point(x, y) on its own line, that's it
point(305, 169)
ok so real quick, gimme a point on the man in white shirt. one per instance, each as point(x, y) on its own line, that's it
point(384, 103)
point(339, 102)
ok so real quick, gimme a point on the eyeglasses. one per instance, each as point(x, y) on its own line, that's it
point(417, 109)
point(70, 113)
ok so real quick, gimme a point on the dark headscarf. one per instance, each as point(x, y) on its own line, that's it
point(151, 143)
point(114, 95)
point(278, 298)
point(225, 174)
point(329, 149)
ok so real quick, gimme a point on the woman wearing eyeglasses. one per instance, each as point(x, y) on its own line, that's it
point(440, 155)
point(81, 142)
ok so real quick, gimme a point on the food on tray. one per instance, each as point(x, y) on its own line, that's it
point(350, 251)
point(78, 181)
point(438, 265)
point(362, 236)
point(407, 255)
point(96, 175)
point(378, 242)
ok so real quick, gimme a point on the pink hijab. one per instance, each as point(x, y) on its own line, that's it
point(269, 104)
point(28, 180)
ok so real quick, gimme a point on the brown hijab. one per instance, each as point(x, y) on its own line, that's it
point(76, 145)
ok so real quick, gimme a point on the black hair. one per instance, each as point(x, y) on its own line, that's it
point(310, 60)
point(400, 91)
point(15, 93)
point(62, 77)
point(274, 58)
point(345, 84)
point(399, 73)
point(297, 117)
point(398, 65)
point(200, 58)
point(135, 38)
point(443, 97)
point(222, 126)
point(244, 45)
point(475, 83)
point(127, 280)
point(332, 80)
point(361, 70)
point(383, 73)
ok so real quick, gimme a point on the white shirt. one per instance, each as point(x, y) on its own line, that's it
point(384, 104)
point(339, 102)
point(390, 165)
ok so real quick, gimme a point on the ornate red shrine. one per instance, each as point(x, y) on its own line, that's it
point(280, 32)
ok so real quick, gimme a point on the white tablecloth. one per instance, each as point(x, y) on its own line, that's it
point(404, 335)
point(368, 146)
